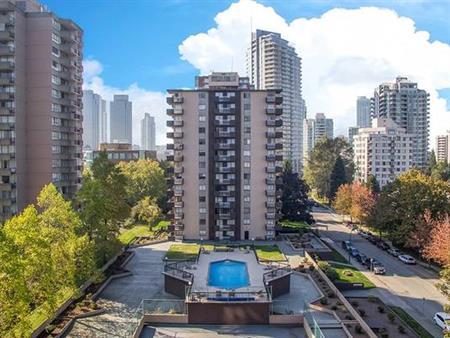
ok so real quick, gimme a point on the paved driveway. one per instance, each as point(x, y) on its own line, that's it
point(409, 287)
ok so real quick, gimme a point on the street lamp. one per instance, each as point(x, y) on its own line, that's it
point(253, 243)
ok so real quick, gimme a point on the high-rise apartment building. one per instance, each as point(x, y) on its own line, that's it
point(40, 104)
point(384, 151)
point(314, 130)
point(352, 131)
point(409, 108)
point(227, 156)
point(272, 63)
point(92, 115)
point(148, 132)
point(103, 122)
point(120, 120)
point(443, 148)
point(363, 112)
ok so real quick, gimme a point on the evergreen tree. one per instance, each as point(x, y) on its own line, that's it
point(432, 160)
point(373, 184)
point(295, 205)
point(337, 177)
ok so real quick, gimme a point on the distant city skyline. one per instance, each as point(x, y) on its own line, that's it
point(350, 67)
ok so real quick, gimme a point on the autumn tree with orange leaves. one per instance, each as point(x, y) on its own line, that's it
point(355, 200)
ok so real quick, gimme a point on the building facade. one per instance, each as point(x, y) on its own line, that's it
point(227, 156)
point(314, 130)
point(103, 122)
point(384, 151)
point(40, 104)
point(148, 131)
point(123, 152)
point(352, 131)
point(92, 114)
point(408, 106)
point(443, 147)
point(363, 112)
point(121, 119)
point(272, 63)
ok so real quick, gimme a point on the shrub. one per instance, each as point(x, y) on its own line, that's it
point(311, 268)
point(358, 329)
point(380, 309)
point(362, 312)
point(331, 294)
point(371, 298)
point(50, 328)
point(348, 273)
point(324, 301)
point(401, 329)
point(391, 317)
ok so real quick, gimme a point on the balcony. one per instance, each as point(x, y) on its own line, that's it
point(275, 169)
point(170, 146)
point(270, 227)
point(228, 134)
point(225, 170)
point(225, 215)
point(224, 193)
point(178, 226)
point(272, 134)
point(274, 146)
point(271, 158)
point(225, 205)
point(224, 146)
point(226, 111)
point(178, 193)
point(178, 204)
point(225, 123)
point(271, 215)
point(6, 35)
point(6, 65)
point(274, 123)
point(178, 181)
point(225, 181)
point(178, 216)
point(178, 111)
point(224, 158)
point(6, 80)
point(178, 170)
point(225, 99)
point(174, 99)
point(175, 134)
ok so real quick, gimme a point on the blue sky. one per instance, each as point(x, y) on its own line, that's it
point(137, 40)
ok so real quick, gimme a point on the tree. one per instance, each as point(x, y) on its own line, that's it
point(438, 246)
point(373, 184)
point(432, 161)
point(441, 171)
point(343, 201)
point(294, 199)
point(337, 177)
point(103, 207)
point(355, 200)
point(146, 210)
point(144, 178)
point(402, 203)
point(41, 255)
point(322, 160)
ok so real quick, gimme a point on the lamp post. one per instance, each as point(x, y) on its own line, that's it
point(253, 243)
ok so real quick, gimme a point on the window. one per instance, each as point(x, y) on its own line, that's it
point(56, 149)
point(201, 130)
point(202, 118)
point(56, 121)
point(56, 135)
point(56, 108)
point(202, 141)
point(202, 199)
point(55, 51)
point(56, 38)
point(202, 210)
point(56, 80)
point(202, 187)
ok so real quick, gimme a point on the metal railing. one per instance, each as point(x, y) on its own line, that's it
point(251, 294)
point(178, 269)
point(162, 306)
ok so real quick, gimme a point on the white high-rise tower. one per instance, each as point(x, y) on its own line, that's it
point(272, 63)
point(148, 132)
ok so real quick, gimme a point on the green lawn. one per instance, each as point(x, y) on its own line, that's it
point(356, 277)
point(183, 251)
point(337, 257)
point(412, 323)
point(139, 230)
point(295, 224)
point(269, 253)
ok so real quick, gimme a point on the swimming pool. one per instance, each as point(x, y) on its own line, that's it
point(228, 274)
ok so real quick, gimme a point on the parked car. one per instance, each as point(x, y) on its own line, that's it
point(407, 259)
point(373, 239)
point(378, 268)
point(366, 262)
point(442, 320)
point(394, 252)
point(354, 252)
point(346, 245)
point(383, 245)
point(361, 257)
point(363, 234)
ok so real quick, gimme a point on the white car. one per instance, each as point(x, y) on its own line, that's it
point(442, 320)
point(407, 259)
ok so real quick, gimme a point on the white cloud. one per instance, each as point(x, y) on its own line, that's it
point(144, 101)
point(346, 53)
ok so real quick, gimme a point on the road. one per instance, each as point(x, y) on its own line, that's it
point(408, 286)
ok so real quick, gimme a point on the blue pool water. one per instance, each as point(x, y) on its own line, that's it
point(228, 274)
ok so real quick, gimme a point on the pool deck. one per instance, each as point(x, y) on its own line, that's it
point(255, 270)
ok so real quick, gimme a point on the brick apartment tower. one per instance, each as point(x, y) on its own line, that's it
point(40, 104)
point(227, 157)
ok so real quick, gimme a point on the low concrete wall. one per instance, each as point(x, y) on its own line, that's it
point(175, 286)
point(166, 318)
point(341, 297)
point(280, 285)
point(286, 319)
point(229, 313)
point(349, 286)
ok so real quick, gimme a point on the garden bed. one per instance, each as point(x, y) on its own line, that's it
point(349, 274)
point(269, 253)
